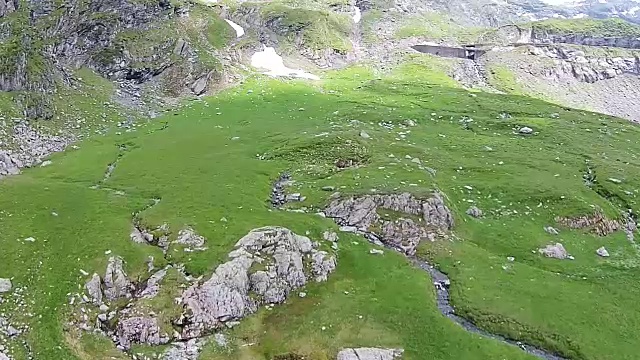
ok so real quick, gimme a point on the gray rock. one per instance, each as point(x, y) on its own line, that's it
point(221, 340)
point(189, 238)
point(103, 317)
point(526, 130)
point(5, 285)
point(153, 284)
point(551, 230)
point(322, 264)
point(376, 252)
point(3, 356)
point(328, 188)
point(94, 289)
point(364, 135)
point(556, 251)
point(602, 252)
point(200, 85)
point(474, 212)
point(138, 330)
point(404, 234)
point(116, 283)
point(369, 354)
point(330, 236)
point(237, 288)
point(184, 350)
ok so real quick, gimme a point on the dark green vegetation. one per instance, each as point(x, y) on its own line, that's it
point(612, 27)
point(217, 158)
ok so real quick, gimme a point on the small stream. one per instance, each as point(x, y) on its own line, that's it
point(441, 283)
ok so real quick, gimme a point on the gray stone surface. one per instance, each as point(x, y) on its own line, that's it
point(556, 251)
point(602, 252)
point(5, 285)
point(474, 212)
point(190, 238)
point(94, 289)
point(265, 266)
point(360, 213)
point(369, 354)
point(116, 283)
point(138, 330)
point(153, 284)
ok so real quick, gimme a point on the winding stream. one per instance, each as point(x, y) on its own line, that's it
point(441, 283)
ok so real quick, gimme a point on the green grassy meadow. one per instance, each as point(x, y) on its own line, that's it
point(212, 161)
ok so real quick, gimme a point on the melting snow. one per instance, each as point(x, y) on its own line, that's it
point(239, 30)
point(580, 16)
point(632, 11)
point(268, 59)
point(358, 15)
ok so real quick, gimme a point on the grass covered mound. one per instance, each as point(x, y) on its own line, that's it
point(612, 27)
point(212, 164)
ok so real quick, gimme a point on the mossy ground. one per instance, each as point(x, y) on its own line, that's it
point(217, 158)
point(612, 27)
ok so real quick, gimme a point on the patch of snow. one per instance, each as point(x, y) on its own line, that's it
point(632, 11)
point(558, 16)
point(580, 16)
point(208, 2)
point(239, 30)
point(268, 59)
point(358, 15)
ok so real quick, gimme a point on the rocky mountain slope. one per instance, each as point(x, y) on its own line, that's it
point(291, 180)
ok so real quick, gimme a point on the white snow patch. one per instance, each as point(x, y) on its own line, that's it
point(632, 11)
point(580, 16)
point(239, 30)
point(208, 2)
point(268, 59)
point(357, 16)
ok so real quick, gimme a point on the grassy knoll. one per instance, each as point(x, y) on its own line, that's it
point(589, 27)
point(212, 166)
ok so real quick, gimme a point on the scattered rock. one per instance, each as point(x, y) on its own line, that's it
point(615, 181)
point(302, 294)
point(551, 230)
point(511, 259)
point(556, 251)
point(5, 285)
point(602, 252)
point(376, 252)
point(364, 135)
point(188, 350)
point(328, 188)
point(369, 354)
point(474, 212)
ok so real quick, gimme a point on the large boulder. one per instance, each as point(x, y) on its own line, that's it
point(138, 330)
point(94, 289)
point(556, 251)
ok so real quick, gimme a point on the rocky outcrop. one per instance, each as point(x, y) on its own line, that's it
point(116, 282)
point(30, 147)
point(265, 266)
point(138, 330)
point(426, 218)
point(584, 68)
point(369, 354)
point(541, 36)
point(597, 223)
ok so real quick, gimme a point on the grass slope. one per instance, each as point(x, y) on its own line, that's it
point(205, 164)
